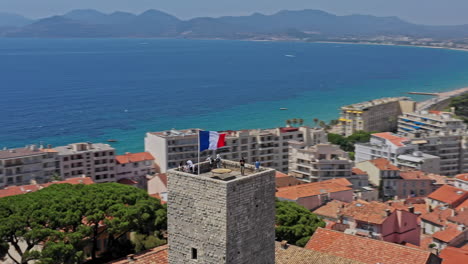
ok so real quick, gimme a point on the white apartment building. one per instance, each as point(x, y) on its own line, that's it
point(417, 124)
point(399, 150)
point(93, 160)
point(269, 146)
point(21, 166)
point(375, 115)
point(135, 167)
point(319, 162)
point(461, 181)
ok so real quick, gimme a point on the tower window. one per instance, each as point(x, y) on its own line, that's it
point(194, 253)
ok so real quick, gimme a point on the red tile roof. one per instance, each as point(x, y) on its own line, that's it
point(463, 177)
point(133, 157)
point(461, 217)
point(152, 256)
point(365, 250)
point(384, 164)
point(438, 216)
point(357, 171)
point(279, 174)
point(463, 205)
point(288, 129)
point(396, 140)
point(414, 175)
point(127, 181)
point(451, 255)
point(332, 209)
point(311, 189)
point(372, 212)
point(287, 181)
point(450, 195)
point(16, 190)
point(448, 234)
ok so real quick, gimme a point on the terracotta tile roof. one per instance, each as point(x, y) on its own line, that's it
point(414, 175)
point(384, 164)
point(450, 195)
point(357, 171)
point(418, 208)
point(133, 157)
point(448, 234)
point(451, 255)
point(342, 181)
point(462, 177)
point(296, 255)
point(365, 250)
point(438, 216)
point(332, 209)
point(279, 174)
point(463, 205)
point(396, 140)
point(288, 129)
point(16, 190)
point(438, 179)
point(372, 212)
point(127, 181)
point(152, 256)
point(461, 217)
point(19, 152)
point(310, 189)
point(287, 181)
point(426, 240)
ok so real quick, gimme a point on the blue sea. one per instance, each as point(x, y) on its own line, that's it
point(60, 91)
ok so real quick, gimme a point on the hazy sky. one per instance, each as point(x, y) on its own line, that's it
point(418, 11)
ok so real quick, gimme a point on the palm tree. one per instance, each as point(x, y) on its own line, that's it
point(288, 123)
point(294, 121)
point(316, 121)
point(301, 121)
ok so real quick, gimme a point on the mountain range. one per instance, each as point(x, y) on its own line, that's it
point(311, 24)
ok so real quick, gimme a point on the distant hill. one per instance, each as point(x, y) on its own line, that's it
point(312, 24)
point(13, 20)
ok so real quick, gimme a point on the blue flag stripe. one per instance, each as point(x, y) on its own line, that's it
point(204, 140)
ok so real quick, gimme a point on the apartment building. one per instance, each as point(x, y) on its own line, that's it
point(319, 162)
point(269, 146)
point(461, 181)
point(135, 167)
point(95, 160)
point(22, 166)
point(376, 115)
point(419, 123)
point(399, 150)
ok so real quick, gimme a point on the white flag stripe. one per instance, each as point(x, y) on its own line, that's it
point(214, 138)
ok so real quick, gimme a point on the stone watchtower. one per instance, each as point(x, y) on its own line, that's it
point(216, 218)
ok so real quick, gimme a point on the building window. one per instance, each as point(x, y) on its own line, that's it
point(194, 253)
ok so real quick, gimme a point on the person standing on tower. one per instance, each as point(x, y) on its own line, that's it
point(242, 165)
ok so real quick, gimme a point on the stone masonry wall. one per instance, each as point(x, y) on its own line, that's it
point(251, 219)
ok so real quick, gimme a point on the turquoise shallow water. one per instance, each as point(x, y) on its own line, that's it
point(59, 91)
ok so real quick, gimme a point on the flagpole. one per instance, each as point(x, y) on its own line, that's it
point(198, 152)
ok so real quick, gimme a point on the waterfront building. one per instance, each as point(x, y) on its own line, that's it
point(441, 153)
point(23, 166)
point(366, 250)
point(399, 150)
point(416, 124)
point(221, 216)
point(269, 146)
point(95, 160)
point(319, 162)
point(377, 115)
point(135, 167)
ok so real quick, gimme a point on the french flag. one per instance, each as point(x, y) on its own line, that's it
point(211, 140)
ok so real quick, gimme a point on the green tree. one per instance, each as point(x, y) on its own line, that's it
point(295, 223)
point(64, 218)
point(461, 106)
point(288, 122)
point(300, 121)
point(294, 121)
point(347, 143)
point(316, 121)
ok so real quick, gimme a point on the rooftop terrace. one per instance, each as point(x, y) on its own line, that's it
point(228, 171)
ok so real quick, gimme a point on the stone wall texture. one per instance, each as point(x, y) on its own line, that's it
point(224, 221)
